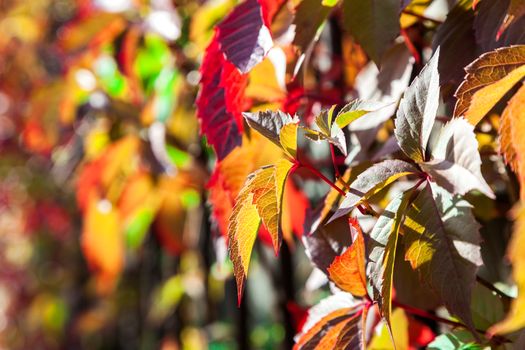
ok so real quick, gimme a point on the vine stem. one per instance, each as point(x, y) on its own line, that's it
point(491, 287)
point(322, 177)
point(336, 168)
point(425, 314)
point(410, 46)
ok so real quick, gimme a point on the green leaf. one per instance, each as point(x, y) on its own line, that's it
point(455, 161)
point(373, 23)
point(371, 181)
point(381, 249)
point(417, 111)
point(442, 244)
point(356, 109)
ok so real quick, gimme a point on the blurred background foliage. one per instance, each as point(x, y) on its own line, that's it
point(106, 239)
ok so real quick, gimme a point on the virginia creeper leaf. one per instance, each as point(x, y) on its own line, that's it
point(335, 311)
point(309, 16)
point(417, 111)
point(354, 110)
point(516, 317)
point(276, 126)
point(373, 23)
point(455, 161)
point(328, 130)
point(244, 37)
point(220, 101)
point(260, 200)
point(512, 144)
point(371, 181)
point(347, 271)
point(381, 250)
point(487, 80)
point(442, 243)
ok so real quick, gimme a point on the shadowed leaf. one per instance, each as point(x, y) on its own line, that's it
point(442, 243)
point(455, 161)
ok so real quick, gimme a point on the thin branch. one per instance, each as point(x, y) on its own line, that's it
point(490, 286)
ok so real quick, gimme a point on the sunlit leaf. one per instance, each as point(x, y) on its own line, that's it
point(338, 311)
point(487, 80)
point(347, 271)
point(244, 37)
point(512, 144)
point(260, 200)
point(515, 318)
point(381, 249)
point(417, 111)
point(278, 127)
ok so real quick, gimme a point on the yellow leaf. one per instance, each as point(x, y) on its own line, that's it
point(516, 317)
point(288, 140)
point(512, 144)
point(488, 79)
point(264, 84)
point(102, 243)
point(399, 325)
point(260, 199)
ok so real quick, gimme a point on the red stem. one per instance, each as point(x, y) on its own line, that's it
point(336, 169)
point(322, 177)
point(410, 46)
point(422, 313)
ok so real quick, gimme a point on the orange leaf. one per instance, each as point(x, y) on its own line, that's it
point(348, 270)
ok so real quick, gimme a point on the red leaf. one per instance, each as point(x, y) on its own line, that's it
point(244, 37)
point(221, 101)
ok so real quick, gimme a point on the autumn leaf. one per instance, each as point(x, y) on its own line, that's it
point(347, 271)
point(455, 162)
point(328, 130)
point(102, 243)
point(220, 101)
point(512, 145)
point(381, 249)
point(243, 35)
point(278, 127)
point(374, 24)
point(515, 318)
point(442, 243)
point(260, 200)
point(417, 111)
point(371, 181)
point(487, 80)
point(336, 322)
